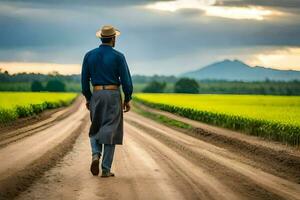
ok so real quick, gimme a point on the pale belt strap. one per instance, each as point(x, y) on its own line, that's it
point(105, 87)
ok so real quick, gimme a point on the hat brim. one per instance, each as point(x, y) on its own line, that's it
point(99, 34)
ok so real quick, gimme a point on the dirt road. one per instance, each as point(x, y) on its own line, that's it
point(155, 162)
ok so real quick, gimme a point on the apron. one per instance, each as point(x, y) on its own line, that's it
point(106, 115)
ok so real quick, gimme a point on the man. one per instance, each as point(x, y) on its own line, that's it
point(107, 69)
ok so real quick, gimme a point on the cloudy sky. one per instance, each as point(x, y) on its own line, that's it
point(158, 37)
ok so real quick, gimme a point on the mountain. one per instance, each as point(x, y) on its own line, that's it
point(237, 70)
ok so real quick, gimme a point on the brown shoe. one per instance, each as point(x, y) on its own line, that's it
point(107, 174)
point(95, 165)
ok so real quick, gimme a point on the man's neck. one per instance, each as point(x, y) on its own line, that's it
point(108, 44)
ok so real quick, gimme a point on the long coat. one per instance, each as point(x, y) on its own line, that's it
point(107, 116)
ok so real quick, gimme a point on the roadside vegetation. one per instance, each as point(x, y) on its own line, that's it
point(14, 105)
point(160, 118)
point(272, 117)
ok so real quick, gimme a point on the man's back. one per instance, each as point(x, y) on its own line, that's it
point(106, 66)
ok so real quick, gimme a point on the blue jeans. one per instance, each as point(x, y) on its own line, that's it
point(109, 150)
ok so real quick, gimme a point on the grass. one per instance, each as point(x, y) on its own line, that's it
point(14, 105)
point(162, 119)
point(272, 117)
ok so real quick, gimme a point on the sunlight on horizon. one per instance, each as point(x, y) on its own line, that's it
point(285, 58)
point(44, 68)
point(253, 12)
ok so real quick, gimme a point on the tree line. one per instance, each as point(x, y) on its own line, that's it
point(186, 85)
point(52, 82)
point(54, 85)
point(154, 84)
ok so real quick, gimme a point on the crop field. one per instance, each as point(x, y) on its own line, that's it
point(273, 117)
point(21, 104)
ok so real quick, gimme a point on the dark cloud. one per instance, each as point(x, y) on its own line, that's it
point(191, 12)
point(144, 41)
point(37, 32)
point(72, 3)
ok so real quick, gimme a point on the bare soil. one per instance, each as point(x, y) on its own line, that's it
point(23, 127)
point(155, 162)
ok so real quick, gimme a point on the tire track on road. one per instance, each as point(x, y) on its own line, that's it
point(204, 152)
point(25, 160)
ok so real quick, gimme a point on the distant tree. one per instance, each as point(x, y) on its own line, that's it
point(55, 85)
point(155, 87)
point(36, 86)
point(186, 85)
point(53, 73)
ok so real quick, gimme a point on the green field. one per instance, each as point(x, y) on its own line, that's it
point(274, 117)
point(21, 104)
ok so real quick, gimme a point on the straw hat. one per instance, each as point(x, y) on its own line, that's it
point(107, 31)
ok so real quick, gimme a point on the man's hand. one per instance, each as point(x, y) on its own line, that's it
point(126, 106)
point(87, 104)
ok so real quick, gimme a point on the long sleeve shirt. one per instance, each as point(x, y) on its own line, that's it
point(105, 66)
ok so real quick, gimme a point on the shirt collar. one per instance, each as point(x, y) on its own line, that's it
point(105, 45)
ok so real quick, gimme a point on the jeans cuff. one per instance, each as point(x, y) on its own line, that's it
point(98, 154)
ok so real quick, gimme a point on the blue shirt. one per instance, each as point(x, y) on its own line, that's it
point(105, 66)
